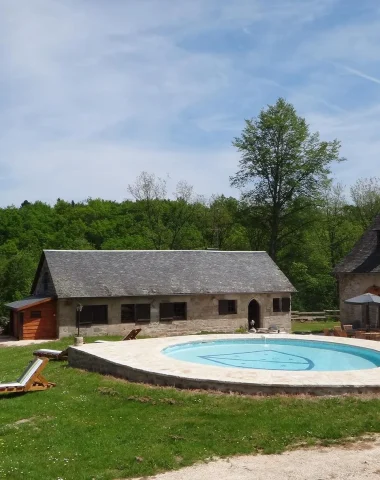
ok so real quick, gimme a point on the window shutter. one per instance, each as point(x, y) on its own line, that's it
point(128, 313)
point(143, 311)
point(94, 314)
point(286, 304)
point(223, 307)
point(180, 311)
point(166, 311)
point(277, 305)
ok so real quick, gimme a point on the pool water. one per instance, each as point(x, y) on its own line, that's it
point(276, 354)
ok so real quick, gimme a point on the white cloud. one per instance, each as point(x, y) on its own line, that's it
point(360, 74)
point(76, 172)
point(94, 92)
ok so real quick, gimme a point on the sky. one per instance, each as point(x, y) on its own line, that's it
point(93, 92)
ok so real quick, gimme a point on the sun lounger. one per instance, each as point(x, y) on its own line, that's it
point(326, 332)
point(30, 380)
point(276, 329)
point(52, 354)
point(338, 332)
point(360, 335)
point(131, 336)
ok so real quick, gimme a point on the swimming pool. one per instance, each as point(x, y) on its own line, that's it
point(276, 354)
point(154, 361)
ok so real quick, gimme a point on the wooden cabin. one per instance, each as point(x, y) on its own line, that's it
point(108, 292)
point(34, 319)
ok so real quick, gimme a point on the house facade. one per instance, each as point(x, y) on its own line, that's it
point(162, 292)
point(358, 273)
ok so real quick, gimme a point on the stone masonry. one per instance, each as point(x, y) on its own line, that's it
point(352, 285)
point(202, 315)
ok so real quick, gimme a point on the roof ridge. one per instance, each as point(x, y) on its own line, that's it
point(363, 257)
point(208, 251)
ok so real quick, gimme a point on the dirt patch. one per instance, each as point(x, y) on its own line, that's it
point(351, 461)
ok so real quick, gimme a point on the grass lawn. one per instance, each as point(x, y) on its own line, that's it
point(313, 326)
point(95, 427)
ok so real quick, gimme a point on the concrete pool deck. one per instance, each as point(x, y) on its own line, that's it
point(143, 361)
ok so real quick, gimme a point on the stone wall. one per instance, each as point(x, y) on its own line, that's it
point(40, 287)
point(352, 285)
point(202, 315)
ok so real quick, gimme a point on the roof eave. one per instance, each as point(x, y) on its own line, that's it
point(38, 301)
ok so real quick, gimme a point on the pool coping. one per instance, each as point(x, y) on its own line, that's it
point(143, 361)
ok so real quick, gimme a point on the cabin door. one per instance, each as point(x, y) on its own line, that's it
point(254, 315)
point(20, 325)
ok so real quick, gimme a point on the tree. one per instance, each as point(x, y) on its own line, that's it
point(285, 165)
point(181, 212)
point(166, 219)
point(365, 194)
point(150, 191)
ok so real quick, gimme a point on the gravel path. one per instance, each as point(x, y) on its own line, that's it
point(12, 342)
point(357, 461)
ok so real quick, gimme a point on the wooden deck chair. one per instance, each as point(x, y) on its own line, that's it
point(338, 332)
point(52, 354)
point(347, 328)
point(361, 335)
point(326, 332)
point(131, 336)
point(31, 380)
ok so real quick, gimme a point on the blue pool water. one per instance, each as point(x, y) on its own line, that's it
point(276, 354)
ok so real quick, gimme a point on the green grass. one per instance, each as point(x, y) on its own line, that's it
point(95, 427)
point(313, 326)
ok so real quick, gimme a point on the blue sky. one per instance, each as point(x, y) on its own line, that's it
point(92, 92)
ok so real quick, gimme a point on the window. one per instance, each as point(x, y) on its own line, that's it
point(277, 304)
point(173, 311)
point(35, 314)
point(281, 304)
point(94, 314)
point(128, 313)
point(227, 307)
point(285, 304)
point(45, 281)
point(131, 313)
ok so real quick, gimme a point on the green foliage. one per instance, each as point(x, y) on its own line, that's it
point(284, 165)
point(312, 242)
point(315, 327)
point(291, 209)
point(365, 194)
point(94, 427)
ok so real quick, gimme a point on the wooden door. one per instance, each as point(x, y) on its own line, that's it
point(40, 322)
point(20, 325)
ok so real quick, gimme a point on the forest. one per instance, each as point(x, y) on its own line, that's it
point(287, 204)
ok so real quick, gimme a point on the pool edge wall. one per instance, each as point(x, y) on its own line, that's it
point(93, 363)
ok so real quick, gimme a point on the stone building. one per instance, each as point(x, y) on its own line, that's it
point(358, 273)
point(163, 292)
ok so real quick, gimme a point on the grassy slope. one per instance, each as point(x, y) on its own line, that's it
point(313, 326)
point(93, 427)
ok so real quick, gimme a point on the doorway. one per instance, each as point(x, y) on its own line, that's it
point(254, 314)
point(20, 325)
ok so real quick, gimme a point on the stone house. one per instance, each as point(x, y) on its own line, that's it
point(358, 273)
point(163, 292)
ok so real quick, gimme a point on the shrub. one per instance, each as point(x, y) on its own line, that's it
point(4, 324)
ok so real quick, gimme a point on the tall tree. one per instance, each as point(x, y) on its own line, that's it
point(285, 165)
point(151, 191)
point(365, 194)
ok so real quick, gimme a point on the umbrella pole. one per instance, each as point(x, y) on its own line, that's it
point(368, 320)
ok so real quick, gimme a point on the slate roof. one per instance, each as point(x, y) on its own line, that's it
point(365, 256)
point(119, 273)
point(27, 302)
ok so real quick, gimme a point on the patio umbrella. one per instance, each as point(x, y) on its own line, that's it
point(365, 299)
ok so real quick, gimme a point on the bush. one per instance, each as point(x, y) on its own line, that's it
point(4, 324)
